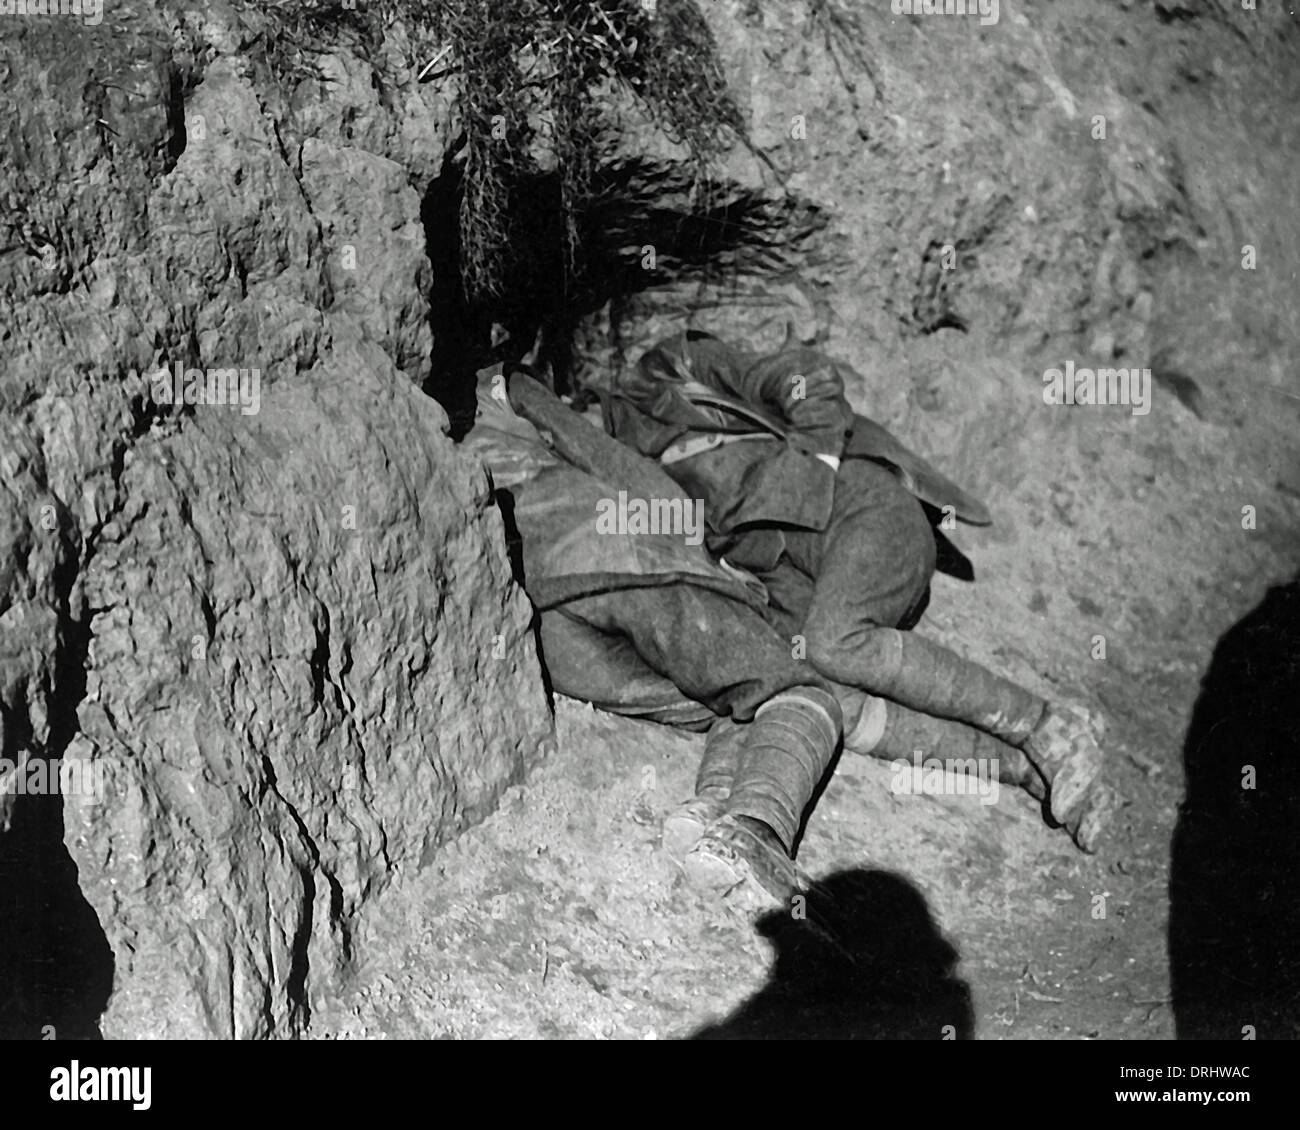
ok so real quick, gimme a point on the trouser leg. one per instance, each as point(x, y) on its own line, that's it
point(724, 654)
point(873, 566)
point(888, 730)
point(715, 650)
point(873, 563)
point(604, 669)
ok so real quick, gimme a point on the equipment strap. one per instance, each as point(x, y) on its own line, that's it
point(689, 446)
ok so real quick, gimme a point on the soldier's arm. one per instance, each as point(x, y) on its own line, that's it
point(805, 388)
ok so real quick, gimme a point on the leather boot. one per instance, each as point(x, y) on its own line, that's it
point(723, 748)
point(745, 855)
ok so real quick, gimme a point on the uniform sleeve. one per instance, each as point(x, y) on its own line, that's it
point(802, 387)
point(805, 388)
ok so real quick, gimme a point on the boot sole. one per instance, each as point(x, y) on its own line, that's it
point(734, 885)
point(1101, 809)
point(681, 833)
point(684, 827)
point(719, 868)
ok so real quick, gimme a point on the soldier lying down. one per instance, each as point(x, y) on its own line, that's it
point(648, 624)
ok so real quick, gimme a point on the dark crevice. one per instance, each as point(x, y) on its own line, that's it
point(300, 960)
point(1175, 13)
point(177, 137)
point(56, 966)
point(300, 965)
point(644, 229)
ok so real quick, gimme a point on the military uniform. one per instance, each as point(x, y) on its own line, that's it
point(819, 503)
point(834, 545)
point(648, 624)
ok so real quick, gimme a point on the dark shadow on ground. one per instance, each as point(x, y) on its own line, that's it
point(866, 963)
point(1234, 921)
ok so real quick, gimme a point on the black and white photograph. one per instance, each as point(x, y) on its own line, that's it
point(650, 520)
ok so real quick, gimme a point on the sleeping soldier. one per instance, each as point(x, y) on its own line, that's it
point(648, 625)
point(826, 509)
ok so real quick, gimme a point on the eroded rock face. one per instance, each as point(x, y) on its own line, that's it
point(293, 686)
point(305, 665)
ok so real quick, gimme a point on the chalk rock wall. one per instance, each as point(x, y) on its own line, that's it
point(283, 629)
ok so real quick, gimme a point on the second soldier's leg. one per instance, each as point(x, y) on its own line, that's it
point(872, 567)
point(722, 653)
point(746, 855)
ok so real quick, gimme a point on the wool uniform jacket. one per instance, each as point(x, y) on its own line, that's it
point(563, 472)
point(751, 488)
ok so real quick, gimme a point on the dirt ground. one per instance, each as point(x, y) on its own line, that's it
point(560, 917)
